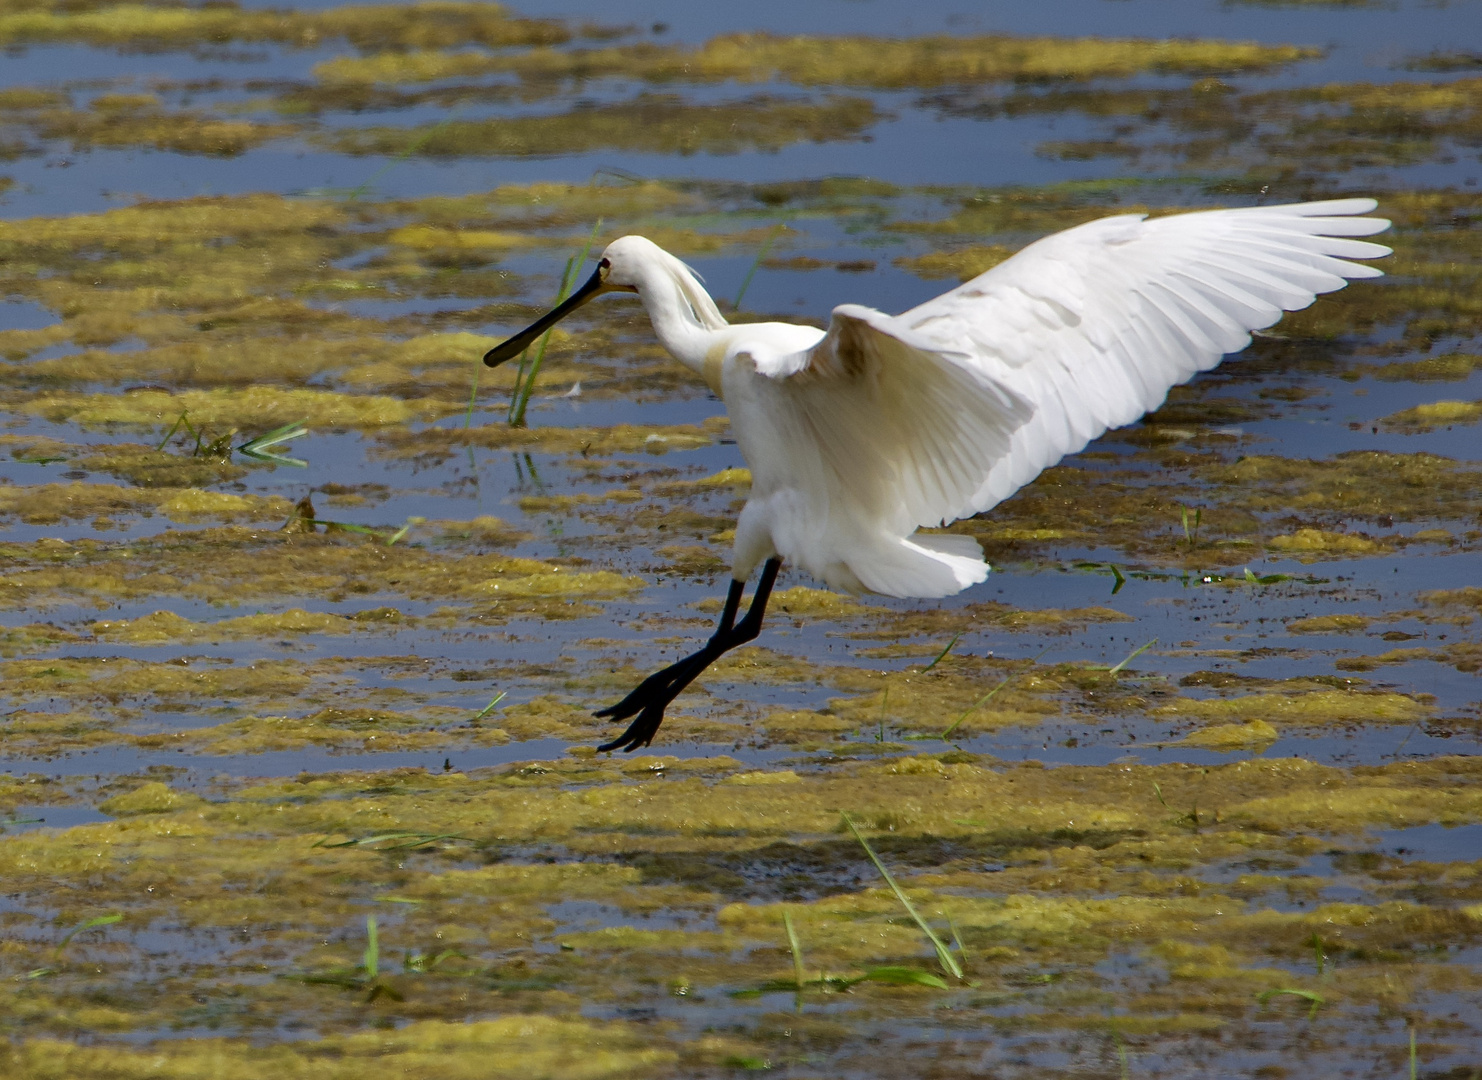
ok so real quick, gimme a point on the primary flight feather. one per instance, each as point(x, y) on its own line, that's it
point(861, 434)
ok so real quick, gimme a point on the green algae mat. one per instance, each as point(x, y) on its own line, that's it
point(301, 635)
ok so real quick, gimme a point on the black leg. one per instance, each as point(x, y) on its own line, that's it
point(653, 695)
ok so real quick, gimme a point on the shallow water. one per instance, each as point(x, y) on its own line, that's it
point(272, 748)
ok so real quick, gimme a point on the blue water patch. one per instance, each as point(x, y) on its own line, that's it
point(1433, 843)
point(24, 315)
point(28, 818)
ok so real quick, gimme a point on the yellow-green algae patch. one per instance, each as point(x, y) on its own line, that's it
point(1305, 542)
point(1452, 367)
point(1086, 507)
point(165, 627)
point(901, 63)
point(144, 466)
point(1230, 737)
point(1309, 708)
point(1329, 624)
point(428, 24)
point(517, 1047)
point(1305, 130)
point(617, 439)
point(961, 263)
point(800, 600)
point(47, 503)
point(1435, 414)
point(127, 121)
point(253, 407)
point(152, 798)
point(961, 692)
point(341, 726)
point(1468, 597)
point(1089, 863)
point(232, 565)
point(651, 123)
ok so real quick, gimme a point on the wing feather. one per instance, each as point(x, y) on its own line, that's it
point(906, 428)
point(1092, 326)
point(892, 423)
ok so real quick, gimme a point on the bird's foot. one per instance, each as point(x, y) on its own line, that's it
point(645, 691)
point(650, 698)
point(640, 732)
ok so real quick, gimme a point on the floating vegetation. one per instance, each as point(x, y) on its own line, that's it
point(1313, 706)
point(910, 63)
point(299, 768)
point(1063, 835)
point(650, 123)
point(1435, 414)
point(1453, 367)
point(422, 25)
point(1229, 738)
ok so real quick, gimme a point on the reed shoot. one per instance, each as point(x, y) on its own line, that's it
point(944, 955)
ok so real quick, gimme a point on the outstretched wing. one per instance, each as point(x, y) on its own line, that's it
point(1092, 326)
point(904, 429)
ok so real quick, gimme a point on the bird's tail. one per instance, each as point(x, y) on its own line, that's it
point(921, 565)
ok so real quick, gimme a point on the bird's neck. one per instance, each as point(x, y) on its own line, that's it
point(687, 334)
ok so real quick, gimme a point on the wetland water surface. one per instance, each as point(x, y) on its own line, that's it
point(297, 775)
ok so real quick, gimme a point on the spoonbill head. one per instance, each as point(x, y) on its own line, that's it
point(859, 435)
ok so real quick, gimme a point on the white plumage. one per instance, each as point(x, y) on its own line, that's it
point(1093, 325)
point(859, 435)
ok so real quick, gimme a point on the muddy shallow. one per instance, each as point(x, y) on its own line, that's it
point(297, 771)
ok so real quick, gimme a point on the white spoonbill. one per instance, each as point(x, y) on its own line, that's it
point(861, 434)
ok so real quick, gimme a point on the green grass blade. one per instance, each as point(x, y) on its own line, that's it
point(367, 530)
point(487, 709)
point(473, 392)
point(957, 939)
point(943, 654)
point(1311, 996)
point(394, 841)
point(260, 448)
point(797, 950)
point(526, 386)
point(514, 394)
point(171, 433)
point(904, 976)
point(760, 255)
point(406, 528)
point(1133, 655)
point(194, 432)
point(975, 706)
point(344, 526)
point(944, 956)
point(97, 920)
point(370, 960)
point(412, 147)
